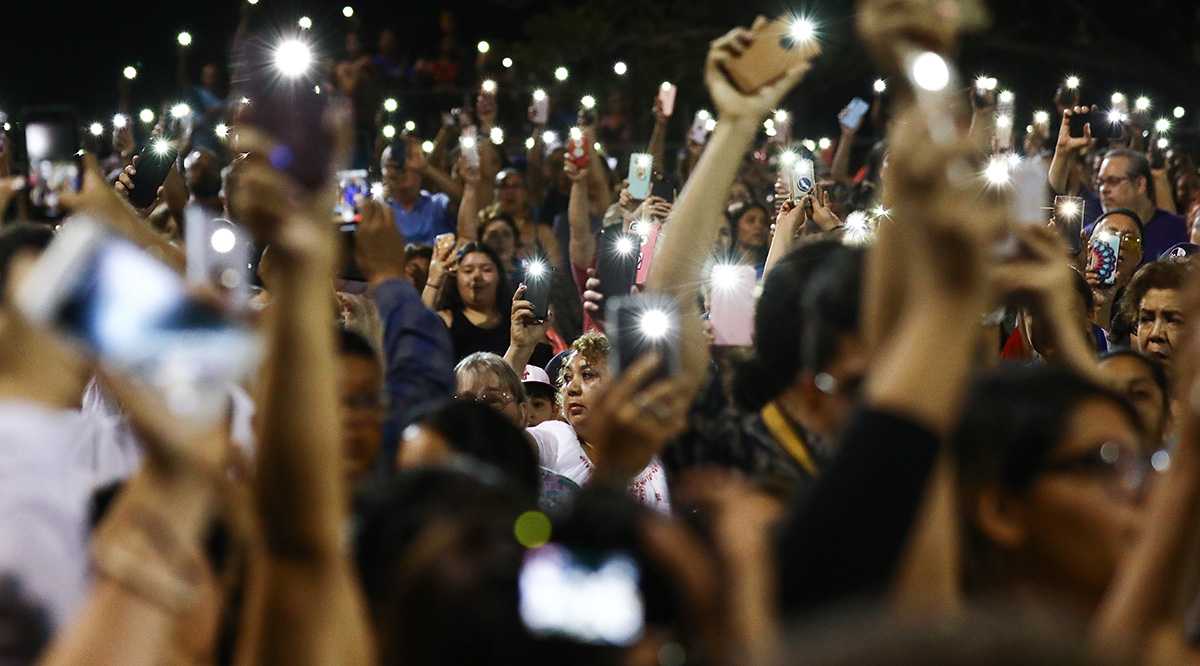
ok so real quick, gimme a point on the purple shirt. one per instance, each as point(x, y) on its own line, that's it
point(1162, 231)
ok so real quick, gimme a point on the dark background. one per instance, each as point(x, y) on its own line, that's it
point(58, 51)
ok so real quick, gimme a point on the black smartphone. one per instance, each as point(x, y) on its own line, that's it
point(350, 270)
point(1104, 126)
point(616, 262)
point(154, 163)
point(52, 145)
point(538, 275)
point(640, 325)
point(281, 78)
point(663, 186)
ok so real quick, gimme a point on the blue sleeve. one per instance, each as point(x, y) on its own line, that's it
point(417, 352)
point(449, 222)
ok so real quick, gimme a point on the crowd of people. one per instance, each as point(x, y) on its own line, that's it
point(885, 418)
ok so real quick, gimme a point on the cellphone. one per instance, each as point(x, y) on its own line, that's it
point(699, 130)
point(218, 253)
point(666, 98)
point(731, 304)
point(586, 596)
point(774, 51)
point(641, 171)
point(577, 147)
point(853, 115)
point(802, 179)
point(1031, 191)
point(154, 164)
point(649, 233)
point(52, 145)
point(663, 186)
point(469, 144)
point(640, 325)
point(1004, 125)
point(1103, 257)
point(616, 261)
point(538, 276)
point(1068, 217)
point(290, 110)
point(355, 186)
point(541, 107)
point(938, 105)
point(350, 270)
point(1103, 126)
point(118, 303)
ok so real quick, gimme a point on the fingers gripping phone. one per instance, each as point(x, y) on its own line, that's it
point(1103, 257)
point(116, 302)
point(851, 117)
point(1103, 126)
point(641, 325)
point(616, 261)
point(778, 47)
point(538, 276)
point(577, 148)
point(154, 164)
point(52, 147)
point(666, 98)
point(802, 179)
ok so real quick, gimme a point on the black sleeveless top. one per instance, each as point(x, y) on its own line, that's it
point(468, 338)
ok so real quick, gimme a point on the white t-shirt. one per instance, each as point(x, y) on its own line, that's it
point(44, 499)
point(559, 451)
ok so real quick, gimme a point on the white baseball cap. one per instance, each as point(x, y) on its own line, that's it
point(536, 375)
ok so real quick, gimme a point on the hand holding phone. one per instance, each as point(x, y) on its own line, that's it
point(1104, 254)
point(802, 179)
point(641, 169)
point(666, 99)
point(851, 117)
point(469, 144)
point(641, 325)
point(578, 150)
point(52, 144)
point(541, 108)
point(777, 47)
point(616, 261)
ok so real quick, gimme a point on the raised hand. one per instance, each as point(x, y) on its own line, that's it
point(1070, 143)
point(378, 244)
point(526, 331)
point(731, 103)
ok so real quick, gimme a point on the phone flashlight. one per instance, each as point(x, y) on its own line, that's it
point(390, 105)
point(588, 102)
point(1041, 118)
point(488, 86)
point(880, 85)
point(619, 68)
point(561, 73)
point(996, 172)
point(1072, 82)
point(120, 121)
point(1142, 104)
point(803, 30)
point(96, 129)
point(293, 58)
point(625, 245)
point(654, 324)
point(929, 71)
point(180, 111)
point(185, 39)
point(985, 83)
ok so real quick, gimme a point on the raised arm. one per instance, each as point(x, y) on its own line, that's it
point(1066, 151)
point(582, 245)
point(840, 169)
point(418, 160)
point(697, 216)
point(658, 136)
point(468, 208)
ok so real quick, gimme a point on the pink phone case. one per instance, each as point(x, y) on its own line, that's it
point(666, 94)
point(646, 255)
point(732, 305)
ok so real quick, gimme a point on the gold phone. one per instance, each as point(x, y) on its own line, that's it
point(776, 49)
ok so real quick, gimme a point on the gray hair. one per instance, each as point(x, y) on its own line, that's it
point(489, 363)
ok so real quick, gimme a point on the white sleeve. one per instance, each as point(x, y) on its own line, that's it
point(547, 445)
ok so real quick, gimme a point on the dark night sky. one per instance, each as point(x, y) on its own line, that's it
point(61, 51)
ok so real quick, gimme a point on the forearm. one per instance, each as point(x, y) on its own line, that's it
point(468, 215)
point(781, 245)
point(300, 492)
point(537, 173)
point(518, 357)
point(1060, 171)
point(840, 169)
point(658, 143)
point(1163, 192)
point(444, 182)
point(983, 128)
point(582, 246)
point(418, 354)
point(599, 198)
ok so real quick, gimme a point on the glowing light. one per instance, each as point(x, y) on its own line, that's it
point(180, 111)
point(788, 157)
point(96, 129)
point(1115, 116)
point(389, 131)
point(588, 102)
point(488, 86)
point(1014, 160)
point(146, 116)
point(245, 100)
point(131, 72)
point(1029, 129)
point(467, 142)
point(561, 73)
point(644, 160)
point(410, 126)
point(1003, 121)
point(575, 133)
point(185, 39)
point(769, 124)
point(620, 68)
point(809, 144)
point(1142, 104)
point(625, 245)
point(1072, 82)
point(223, 240)
point(222, 130)
point(985, 83)
point(803, 29)
point(996, 172)
point(880, 85)
point(824, 144)
point(293, 58)
point(710, 125)
point(1163, 142)
point(1162, 125)
point(539, 95)
point(1041, 117)
point(160, 147)
point(771, 131)
point(529, 143)
point(348, 11)
point(654, 324)
point(549, 138)
point(703, 114)
point(497, 135)
point(305, 23)
point(535, 268)
point(1006, 97)
point(507, 62)
point(427, 146)
point(252, 2)
point(377, 190)
point(930, 72)
point(1117, 98)
point(1179, 112)
point(120, 121)
point(532, 529)
point(483, 47)
point(857, 229)
point(781, 116)
point(1069, 208)
point(390, 105)
point(725, 276)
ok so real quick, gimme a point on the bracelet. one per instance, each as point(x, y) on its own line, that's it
point(152, 562)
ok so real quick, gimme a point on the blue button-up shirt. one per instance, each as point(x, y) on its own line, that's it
point(427, 219)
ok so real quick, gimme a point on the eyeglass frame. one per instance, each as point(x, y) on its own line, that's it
point(1132, 480)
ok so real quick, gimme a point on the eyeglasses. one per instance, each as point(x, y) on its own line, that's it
point(1111, 181)
point(365, 401)
point(1124, 469)
point(494, 399)
point(1129, 242)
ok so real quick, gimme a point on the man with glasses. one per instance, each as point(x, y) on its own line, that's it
point(1125, 181)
